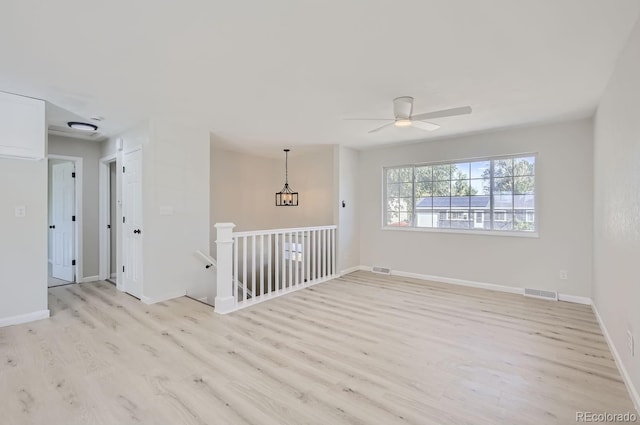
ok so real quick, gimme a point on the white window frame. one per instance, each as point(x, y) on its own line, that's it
point(494, 232)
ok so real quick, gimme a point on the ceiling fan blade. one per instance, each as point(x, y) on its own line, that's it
point(380, 128)
point(463, 110)
point(423, 125)
point(368, 119)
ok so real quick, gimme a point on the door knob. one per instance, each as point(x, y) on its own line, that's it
point(138, 231)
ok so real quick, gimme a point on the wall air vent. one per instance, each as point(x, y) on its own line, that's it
point(538, 293)
point(381, 270)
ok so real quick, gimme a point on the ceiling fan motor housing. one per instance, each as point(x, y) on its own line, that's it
point(403, 107)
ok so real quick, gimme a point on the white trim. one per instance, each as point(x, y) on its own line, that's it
point(114, 275)
point(351, 270)
point(165, 297)
point(574, 299)
point(120, 195)
point(510, 233)
point(24, 318)
point(482, 285)
point(460, 282)
point(89, 279)
point(633, 392)
point(104, 194)
point(286, 230)
point(78, 248)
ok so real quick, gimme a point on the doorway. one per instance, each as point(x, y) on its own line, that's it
point(110, 207)
point(64, 202)
point(121, 220)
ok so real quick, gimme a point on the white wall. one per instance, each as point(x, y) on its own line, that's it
point(564, 202)
point(175, 169)
point(616, 289)
point(176, 175)
point(243, 188)
point(89, 151)
point(23, 244)
point(349, 215)
point(23, 240)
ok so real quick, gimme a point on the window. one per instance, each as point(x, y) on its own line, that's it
point(496, 194)
point(459, 215)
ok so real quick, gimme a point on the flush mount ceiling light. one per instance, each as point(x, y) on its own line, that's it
point(84, 126)
point(286, 197)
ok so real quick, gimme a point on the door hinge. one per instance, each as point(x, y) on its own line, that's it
point(123, 219)
point(123, 168)
point(73, 262)
point(108, 226)
point(73, 175)
point(73, 218)
point(122, 269)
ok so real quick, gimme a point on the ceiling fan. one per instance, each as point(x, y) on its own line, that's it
point(403, 110)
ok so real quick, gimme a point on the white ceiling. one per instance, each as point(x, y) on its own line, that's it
point(286, 72)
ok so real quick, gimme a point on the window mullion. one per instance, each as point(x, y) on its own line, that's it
point(491, 170)
point(413, 196)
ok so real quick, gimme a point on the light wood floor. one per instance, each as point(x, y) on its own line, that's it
point(363, 349)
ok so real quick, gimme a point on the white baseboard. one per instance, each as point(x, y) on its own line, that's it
point(24, 318)
point(351, 270)
point(574, 299)
point(88, 279)
point(165, 297)
point(633, 392)
point(460, 282)
point(482, 285)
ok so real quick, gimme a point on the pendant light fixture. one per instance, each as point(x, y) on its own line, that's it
point(286, 197)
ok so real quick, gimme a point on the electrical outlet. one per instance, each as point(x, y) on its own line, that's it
point(563, 275)
point(20, 211)
point(630, 342)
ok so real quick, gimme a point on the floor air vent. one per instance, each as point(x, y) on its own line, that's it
point(538, 293)
point(381, 270)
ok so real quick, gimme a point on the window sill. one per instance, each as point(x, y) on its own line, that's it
point(501, 233)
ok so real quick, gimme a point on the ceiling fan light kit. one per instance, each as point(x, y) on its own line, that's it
point(402, 123)
point(403, 116)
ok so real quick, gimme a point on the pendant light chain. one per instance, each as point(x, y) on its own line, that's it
point(286, 168)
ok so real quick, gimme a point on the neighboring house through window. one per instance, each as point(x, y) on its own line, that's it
point(489, 194)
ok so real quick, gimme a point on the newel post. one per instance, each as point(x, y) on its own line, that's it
point(225, 302)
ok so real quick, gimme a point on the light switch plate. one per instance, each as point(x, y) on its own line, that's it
point(21, 211)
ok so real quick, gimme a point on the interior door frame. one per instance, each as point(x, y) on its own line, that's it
point(104, 217)
point(77, 162)
point(122, 240)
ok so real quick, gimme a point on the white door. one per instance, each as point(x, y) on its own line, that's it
point(132, 223)
point(62, 221)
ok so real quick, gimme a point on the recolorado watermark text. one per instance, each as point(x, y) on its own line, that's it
point(606, 417)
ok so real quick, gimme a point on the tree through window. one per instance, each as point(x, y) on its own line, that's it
point(489, 194)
